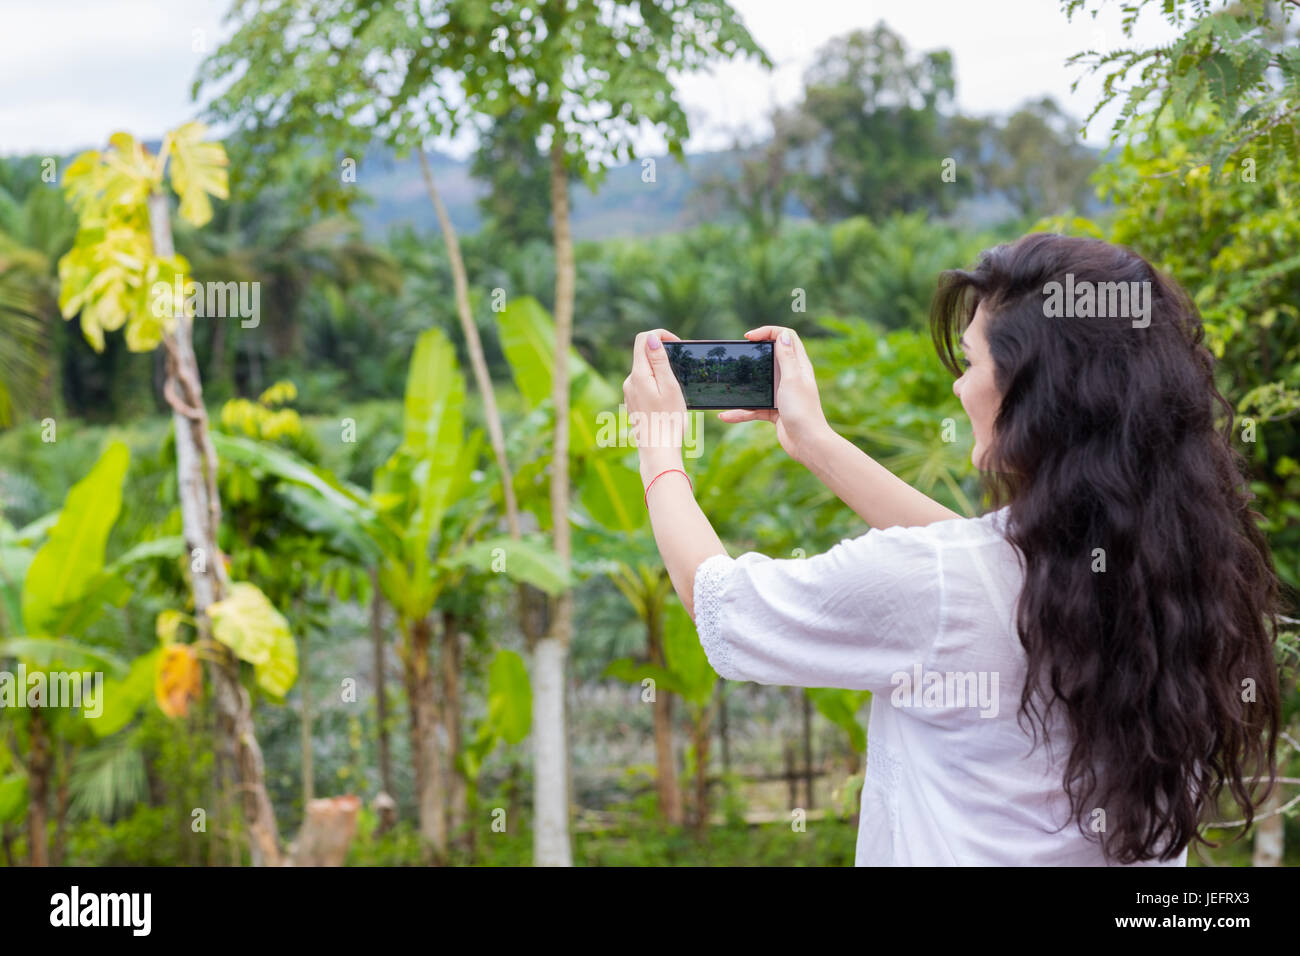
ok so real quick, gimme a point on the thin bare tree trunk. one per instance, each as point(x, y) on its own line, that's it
point(807, 751)
point(700, 732)
point(551, 844)
point(61, 802)
point(196, 473)
point(381, 690)
point(425, 746)
point(38, 785)
point(304, 736)
point(1270, 832)
point(670, 796)
point(451, 712)
point(474, 346)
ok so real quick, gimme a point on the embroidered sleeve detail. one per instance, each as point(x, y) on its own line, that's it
point(710, 583)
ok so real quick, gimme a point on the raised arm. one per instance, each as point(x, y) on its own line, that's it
point(876, 495)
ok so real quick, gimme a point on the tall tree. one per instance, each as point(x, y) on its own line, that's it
point(517, 205)
point(341, 75)
point(589, 76)
point(869, 141)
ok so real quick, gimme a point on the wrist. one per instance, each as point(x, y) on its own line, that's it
point(817, 445)
point(654, 461)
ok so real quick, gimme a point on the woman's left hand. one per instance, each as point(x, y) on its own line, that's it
point(656, 408)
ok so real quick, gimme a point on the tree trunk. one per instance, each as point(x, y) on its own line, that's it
point(550, 793)
point(426, 749)
point(701, 735)
point(328, 826)
point(38, 785)
point(670, 797)
point(807, 751)
point(456, 796)
point(551, 845)
point(1269, 832)
point(381, 690)
point(61, 802)
point(304, 736)
point(474, 346)
point(196, 473)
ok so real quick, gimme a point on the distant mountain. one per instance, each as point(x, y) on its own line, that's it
point(623, 205)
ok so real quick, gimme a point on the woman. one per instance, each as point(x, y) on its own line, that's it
point(1073, 678)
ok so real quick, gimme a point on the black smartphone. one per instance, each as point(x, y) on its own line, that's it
point(724, 373)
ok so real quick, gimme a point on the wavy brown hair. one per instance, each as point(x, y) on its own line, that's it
point(1106, 439)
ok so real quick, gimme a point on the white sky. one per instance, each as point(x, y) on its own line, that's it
point(74, 71)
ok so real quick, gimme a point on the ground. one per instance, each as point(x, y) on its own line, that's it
point(716, 393)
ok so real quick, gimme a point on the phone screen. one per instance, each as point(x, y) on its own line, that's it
point(724, 373)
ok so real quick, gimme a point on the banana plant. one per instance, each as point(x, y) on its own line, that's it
point(425, 524)
point(49, 597)
point(613, 536)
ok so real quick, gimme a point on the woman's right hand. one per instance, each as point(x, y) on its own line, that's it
point(798, 415)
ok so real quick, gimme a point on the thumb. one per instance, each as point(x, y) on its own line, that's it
point(787, 355)
point(659, 358)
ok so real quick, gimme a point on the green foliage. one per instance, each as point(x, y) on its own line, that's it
point(63, 570)
point(1242, 58)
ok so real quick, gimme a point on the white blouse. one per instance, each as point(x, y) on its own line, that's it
point(925, 618)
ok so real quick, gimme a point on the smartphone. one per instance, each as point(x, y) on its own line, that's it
point(724, 373)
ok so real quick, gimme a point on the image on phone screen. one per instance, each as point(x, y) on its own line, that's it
point(724, 373)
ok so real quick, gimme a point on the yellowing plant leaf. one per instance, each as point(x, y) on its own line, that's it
point(178, 679)
point(249, 625)
point(168, 625)
point(198, 169)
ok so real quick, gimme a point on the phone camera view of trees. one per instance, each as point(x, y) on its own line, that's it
point(723, 374)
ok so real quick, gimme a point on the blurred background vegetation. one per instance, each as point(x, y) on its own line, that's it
point(838, 224)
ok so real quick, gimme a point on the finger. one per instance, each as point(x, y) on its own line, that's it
point(804, 360)
point(641, 351)
point(748, 415)
point(657, 357)
point(773, 333)
point(640, 360)
point(788, 360)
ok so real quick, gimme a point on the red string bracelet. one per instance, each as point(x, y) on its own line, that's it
point(660, 475)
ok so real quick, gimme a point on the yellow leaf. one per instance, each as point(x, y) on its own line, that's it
point(178, 679)
point(168, 624)
point(198, 170)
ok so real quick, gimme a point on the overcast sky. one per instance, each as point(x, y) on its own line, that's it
point(74, 71)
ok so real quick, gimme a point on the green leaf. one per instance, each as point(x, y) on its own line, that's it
point(122, 699)
point(56, 653)
point(510, 697)
point(841, 707)
point(68, 562)
point(634, 672)
point(13, 797)
point(433, 433)
point(685, 656)
point(526, 560)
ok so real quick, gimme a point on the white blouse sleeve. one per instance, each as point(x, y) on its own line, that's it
point(852, 617)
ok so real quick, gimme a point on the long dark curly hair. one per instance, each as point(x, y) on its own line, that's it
point(1106, 439)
